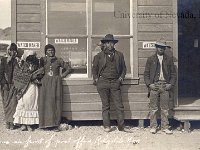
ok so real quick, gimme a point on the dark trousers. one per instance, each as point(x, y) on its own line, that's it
point(159, 99)
point(111, 89)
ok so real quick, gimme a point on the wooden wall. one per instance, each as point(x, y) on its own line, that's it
point(81, 100)
point(153, 27)
point(28, 21)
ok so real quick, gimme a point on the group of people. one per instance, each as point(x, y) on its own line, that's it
point(31, 88)
point(160, 76)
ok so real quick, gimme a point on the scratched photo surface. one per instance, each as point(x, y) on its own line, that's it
point(76, 28)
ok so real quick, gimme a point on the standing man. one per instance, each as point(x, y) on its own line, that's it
point(109, 71)
point(6, 80)
point(160, 77)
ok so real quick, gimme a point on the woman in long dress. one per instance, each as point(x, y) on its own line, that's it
point(26, 82)
point(50, 95)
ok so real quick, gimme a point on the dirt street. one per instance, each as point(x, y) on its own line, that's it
point(94, 138)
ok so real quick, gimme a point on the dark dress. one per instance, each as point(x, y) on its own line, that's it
point(50, 93)
point(6, 80)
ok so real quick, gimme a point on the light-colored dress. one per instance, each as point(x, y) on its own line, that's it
point(27, 107)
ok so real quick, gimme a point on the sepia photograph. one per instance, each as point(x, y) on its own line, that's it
point(99, 74)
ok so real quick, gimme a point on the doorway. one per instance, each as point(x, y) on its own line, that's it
point(189, 51)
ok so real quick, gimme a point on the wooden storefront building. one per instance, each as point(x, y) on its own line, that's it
point(75, 27)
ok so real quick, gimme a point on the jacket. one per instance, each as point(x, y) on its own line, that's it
point(169, 70)
point(99, 63)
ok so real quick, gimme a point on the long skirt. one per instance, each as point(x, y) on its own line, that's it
point(27, 107)
point(50, 101)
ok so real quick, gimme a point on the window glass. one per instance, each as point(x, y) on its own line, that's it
point(66, 16)
point(111, 16)
point(123, 46)
point(73, 50)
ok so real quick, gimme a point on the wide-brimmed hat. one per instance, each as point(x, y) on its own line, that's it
point(109, 37)
point(162, 43)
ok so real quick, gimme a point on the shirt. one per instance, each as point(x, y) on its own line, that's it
point(160, 58)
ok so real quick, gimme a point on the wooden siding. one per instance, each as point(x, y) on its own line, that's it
point(28, 25)
point(156, 23)
point(28, 18)
point(97, 115)
point(28, 9)
point(29, 2)
point(83, 101)
point(154, 2)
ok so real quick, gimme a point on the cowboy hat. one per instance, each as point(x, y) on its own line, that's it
point(162, 43)
point(109, 37)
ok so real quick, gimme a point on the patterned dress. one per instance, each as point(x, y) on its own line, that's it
point(50, 93)
point(27, 95)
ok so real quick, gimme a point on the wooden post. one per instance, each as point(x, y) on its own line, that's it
point(187, 125)
point(141, 123)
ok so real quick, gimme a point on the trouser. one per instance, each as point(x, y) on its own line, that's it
point(159, 99)
point(108, 89)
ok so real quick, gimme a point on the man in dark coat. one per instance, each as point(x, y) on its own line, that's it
point(160, 77)
point(109, 71)
point(6, 80)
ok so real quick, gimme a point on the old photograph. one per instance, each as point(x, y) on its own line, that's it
point(99, 74)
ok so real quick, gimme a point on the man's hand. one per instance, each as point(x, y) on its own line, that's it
point(153, 87)
point(168, 87)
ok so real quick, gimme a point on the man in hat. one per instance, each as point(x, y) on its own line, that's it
point(160, 77)
point(109, 71)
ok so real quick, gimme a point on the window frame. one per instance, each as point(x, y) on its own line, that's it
point(132, 36)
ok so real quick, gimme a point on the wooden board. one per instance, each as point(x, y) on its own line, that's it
point(155, 20)
point(92, 89)
point(28, 2)
point(94, 97)
point(155, 2)
point(97, 106)
point(155, 27)
point(142, 62)
point(154, 36)
point(28, 18)
point(28, 36)
point(97, 115)
point(28, 9)
point(26, 27)
point(141, 70)
point(145, 53)
point(164, 10)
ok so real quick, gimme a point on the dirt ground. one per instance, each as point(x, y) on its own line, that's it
point(94, 138)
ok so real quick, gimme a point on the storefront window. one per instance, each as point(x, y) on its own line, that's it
point(111, 16)
point(66, 16)
point(73, 50)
